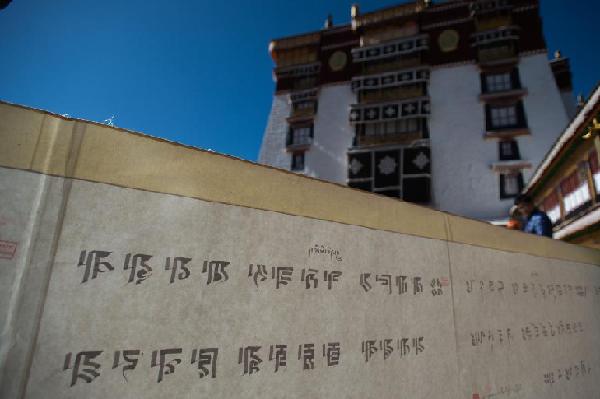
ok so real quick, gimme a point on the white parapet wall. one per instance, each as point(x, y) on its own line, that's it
point(132, 267)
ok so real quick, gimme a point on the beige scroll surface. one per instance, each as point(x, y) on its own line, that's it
point(146, 282)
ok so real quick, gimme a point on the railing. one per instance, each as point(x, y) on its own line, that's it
point(486, 6)
point(496, 35)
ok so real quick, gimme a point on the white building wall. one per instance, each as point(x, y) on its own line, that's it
point(327, 157)
point(272, 150)
point(462, 180)
point(569, 102)
point(544, 109)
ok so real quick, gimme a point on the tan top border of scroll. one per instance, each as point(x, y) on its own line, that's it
point(42, 142)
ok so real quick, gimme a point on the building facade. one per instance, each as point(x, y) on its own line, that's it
point(450, 105)
point(566, 185)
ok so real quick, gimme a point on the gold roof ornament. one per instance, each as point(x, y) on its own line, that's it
point(328, 22)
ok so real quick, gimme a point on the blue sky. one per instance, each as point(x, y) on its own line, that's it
point(196, 72)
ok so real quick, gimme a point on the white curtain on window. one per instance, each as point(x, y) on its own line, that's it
point(554, 213)
point(577, 198)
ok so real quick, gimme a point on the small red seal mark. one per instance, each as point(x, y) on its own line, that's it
point(7, 249)
point(475, 396)
point(444, 281)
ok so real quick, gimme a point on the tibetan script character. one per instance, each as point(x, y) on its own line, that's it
point(500, 285)
point(477, 338)
point(561, 328)
point(205, 357)
point(436, 287)
point(130, 357)
point(549, 378)
point(470, 286)
point(526, 332)
point(216, 270)
point(568, 373)
point(369, 348)
point(515, 287)
point(84, 368)
point(385, 280)
point(584, 370)
point(403, 347)
point(248, 356)
point(387, 348)
point(257, 273)
point(417, 285)
point(179, 263)
point(140, 269)
point(93, 262)
point(581, 290)
point(306, 353)
point(542, 290)
point(332, 351)
point(552, 330)
point(533, 290)
point(417, 343)
point(500, 334)
point(364, 281)
point(279, 354)
point(282, 275)
point(159, 358)
point(491, 338)
point(331, 276)
point(402, 284)
point(309, 276)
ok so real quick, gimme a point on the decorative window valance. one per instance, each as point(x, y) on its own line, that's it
point(496, 35)
point(366, 113)
point(391, 79)
point(298, 70)
point(304, 95)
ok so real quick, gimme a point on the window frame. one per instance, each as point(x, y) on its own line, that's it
point(514, 150)
point(512, 83)
point(308, 134)
point(295, 165)
point(503, 192)
point(514, 120)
